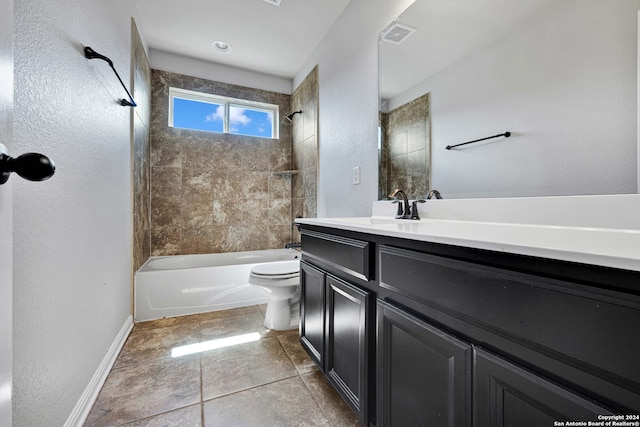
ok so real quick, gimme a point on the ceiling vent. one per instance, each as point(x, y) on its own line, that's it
point(273, 2)
point(396, 33)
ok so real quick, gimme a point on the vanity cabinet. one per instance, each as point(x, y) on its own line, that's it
point(459, 336)
point(346, 342)
point(544, 348)
point(423, 373)
point(506, 394)
point(312, 301)
point(336, 314)
point(335, 330)
point(425, 377)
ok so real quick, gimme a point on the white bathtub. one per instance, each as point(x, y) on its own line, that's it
point(177, 285)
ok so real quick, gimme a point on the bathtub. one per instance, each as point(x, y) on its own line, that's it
point(178, 285)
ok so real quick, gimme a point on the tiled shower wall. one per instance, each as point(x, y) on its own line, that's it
point(213, 192)
point(141, 91)
point(405, 153)
point(305, 149)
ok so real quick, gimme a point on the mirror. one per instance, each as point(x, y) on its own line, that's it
point(403, 148)
point(559, 75)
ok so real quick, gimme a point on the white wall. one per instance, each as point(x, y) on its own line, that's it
point(72, 234)
point(347, 60)
point(565, 85)
point(6, 212)
point(166, 61)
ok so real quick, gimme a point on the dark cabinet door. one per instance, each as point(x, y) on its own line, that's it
point(423, 373)
point(346, 343)
point(312, 300)
point(507, 395)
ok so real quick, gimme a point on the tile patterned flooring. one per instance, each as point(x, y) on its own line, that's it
point(267, 382)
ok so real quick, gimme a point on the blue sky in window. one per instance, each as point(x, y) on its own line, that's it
point(190, 114)
point(244, 121)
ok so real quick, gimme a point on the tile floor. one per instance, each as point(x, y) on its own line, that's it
point(267, 382)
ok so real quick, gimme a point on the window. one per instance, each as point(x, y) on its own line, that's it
point(211, 113)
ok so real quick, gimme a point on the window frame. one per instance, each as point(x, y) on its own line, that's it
point(226, 102)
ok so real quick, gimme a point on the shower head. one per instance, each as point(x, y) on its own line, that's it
point(290, 116)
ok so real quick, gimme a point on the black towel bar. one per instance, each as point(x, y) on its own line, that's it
point(92, 54)
point(506, 135)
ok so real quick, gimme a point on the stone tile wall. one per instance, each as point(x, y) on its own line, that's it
point(213, 192)
point(141, 92)
point(305, 149)
point(405, 154)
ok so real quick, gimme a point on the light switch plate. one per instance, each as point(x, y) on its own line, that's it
point(356, 175)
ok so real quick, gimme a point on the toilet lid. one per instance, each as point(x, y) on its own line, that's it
point(277, 268)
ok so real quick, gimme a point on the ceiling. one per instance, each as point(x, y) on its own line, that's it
point(446, 32)
point(275, 40)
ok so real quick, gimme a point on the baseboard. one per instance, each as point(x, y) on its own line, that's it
point(81, 411)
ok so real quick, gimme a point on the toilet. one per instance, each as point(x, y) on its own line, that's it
point(281, 280)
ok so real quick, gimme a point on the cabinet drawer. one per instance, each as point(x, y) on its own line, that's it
point(586, 335)
point(350, 256)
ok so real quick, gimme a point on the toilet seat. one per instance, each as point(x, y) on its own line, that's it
point(279, 270)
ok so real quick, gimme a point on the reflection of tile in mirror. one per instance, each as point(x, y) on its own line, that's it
point(404, 157)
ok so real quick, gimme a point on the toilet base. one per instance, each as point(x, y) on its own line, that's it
point(281, 315)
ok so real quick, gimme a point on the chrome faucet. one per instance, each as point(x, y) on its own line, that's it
point(406, 210)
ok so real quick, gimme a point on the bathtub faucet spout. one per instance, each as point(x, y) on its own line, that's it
point(293, 245)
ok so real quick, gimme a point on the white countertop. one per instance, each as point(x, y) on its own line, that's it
point(609, 247)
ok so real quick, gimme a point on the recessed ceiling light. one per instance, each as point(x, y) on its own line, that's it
point(273, 2)
point(220, 46)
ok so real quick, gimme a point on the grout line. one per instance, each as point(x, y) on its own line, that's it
point(304, 383)
point(250, 388)
point(313, 396)
point(274, 335)
point(155, 415)
point(199, 318)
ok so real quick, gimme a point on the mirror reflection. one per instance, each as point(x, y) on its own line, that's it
point(559, 75)
point(404, 149)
